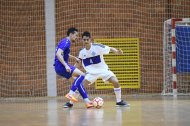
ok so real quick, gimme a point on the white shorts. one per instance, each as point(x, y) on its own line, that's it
point(104, 76)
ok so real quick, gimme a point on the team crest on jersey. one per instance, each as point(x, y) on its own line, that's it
point(93, 53)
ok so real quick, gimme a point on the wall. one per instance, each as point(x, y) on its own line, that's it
point(22, 38)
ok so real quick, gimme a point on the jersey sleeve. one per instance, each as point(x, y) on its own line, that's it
point(63, 45)
point(106, 50)
point(103, 49)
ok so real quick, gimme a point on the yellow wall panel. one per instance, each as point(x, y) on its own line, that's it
point(126, 67)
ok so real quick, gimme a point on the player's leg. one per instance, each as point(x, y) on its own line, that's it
point(117, 91)
point(78, 79)
point(70, 103)
point(84, 95)
point(77, 84)
point(89, 79)
point(60, 70)
point(110, 77)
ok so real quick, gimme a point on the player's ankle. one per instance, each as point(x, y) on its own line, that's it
point(71, 102)
point(86, 100)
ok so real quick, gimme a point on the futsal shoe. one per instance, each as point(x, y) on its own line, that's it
point(70, 97)
point(122, 104)
point(89, 105)
point(68, 105)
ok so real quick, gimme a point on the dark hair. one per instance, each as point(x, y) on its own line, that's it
point(71, 30)
point(86, 33)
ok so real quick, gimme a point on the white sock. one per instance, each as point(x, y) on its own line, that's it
point(75, 94)
point(86, 100)
point(71, 102)
point(71, 92)
point(118, 94)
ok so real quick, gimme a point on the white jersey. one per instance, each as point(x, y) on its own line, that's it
point(93, 60)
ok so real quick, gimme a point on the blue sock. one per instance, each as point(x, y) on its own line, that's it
point(77, 82)
point(82, 91)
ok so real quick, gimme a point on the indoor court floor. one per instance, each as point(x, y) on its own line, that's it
point(162, 111)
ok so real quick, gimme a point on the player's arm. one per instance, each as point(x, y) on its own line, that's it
point(75, 58)
point(59, 55)
point(106, 49)
point(116, 51)
point(78, 64)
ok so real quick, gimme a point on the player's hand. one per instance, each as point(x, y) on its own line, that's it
point(78, 61)
point(119, 51)
point(68, 69)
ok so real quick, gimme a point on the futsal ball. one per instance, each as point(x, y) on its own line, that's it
point(98, 102)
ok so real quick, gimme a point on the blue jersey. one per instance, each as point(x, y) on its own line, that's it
point(64, 44)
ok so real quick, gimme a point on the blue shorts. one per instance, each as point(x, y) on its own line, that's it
point(60, 70)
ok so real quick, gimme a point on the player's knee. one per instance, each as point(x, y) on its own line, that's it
point(113, 80)
point(116, 85)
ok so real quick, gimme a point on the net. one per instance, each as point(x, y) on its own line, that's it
point(176, 57)
point(23, 65)
point(22, 47)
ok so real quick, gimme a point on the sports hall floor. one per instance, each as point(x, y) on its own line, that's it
point(145, 111)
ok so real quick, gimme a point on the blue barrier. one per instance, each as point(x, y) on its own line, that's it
point(182, 33)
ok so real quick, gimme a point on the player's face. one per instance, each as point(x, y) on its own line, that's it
point(86, 40)
point(74, 37)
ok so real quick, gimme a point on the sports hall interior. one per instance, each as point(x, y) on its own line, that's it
point(24, 68)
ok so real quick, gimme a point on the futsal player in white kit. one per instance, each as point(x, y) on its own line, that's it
point(95, 66)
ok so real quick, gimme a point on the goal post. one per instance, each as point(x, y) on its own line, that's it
point(176, 54)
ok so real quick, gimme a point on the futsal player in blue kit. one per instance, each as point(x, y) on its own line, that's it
point(64, 69)
point(93, 63)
